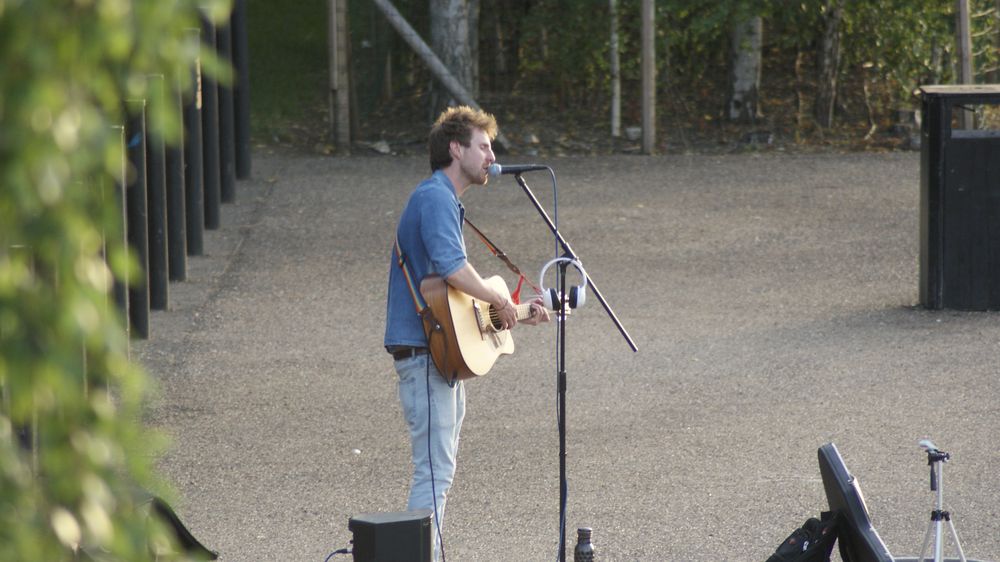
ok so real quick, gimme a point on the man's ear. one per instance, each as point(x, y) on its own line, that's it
point(455, 149)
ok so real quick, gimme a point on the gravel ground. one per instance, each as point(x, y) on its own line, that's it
point(773, 298)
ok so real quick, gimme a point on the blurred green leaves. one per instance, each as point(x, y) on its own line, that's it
point(69, 389)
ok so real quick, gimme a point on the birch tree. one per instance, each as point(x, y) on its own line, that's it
point(828, 63)
point(747, 40)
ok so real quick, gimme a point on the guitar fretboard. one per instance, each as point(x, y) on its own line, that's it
point(523, 313)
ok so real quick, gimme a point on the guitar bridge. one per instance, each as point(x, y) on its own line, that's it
point(485, 321)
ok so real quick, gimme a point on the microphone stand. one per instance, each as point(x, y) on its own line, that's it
point(561, 355)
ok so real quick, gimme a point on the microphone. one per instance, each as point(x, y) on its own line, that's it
point(496, 170)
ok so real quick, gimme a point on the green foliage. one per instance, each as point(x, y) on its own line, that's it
point(901, 42)
point(985, 30)
point(565, 45)
point(544, 54)
point(66, 68)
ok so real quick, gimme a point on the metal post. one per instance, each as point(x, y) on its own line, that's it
point(156, 184)
point(561, 388)
point(138, 215)
point(648, 76)
point(194, 195)
point(340, 106)
point(120, 287)
point(210, 134)
point(965, 73)
point(616, 82)
point(227, 129)
point(176, 213)
point(241, 95)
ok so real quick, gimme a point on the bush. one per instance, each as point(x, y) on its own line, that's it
point(66, 68)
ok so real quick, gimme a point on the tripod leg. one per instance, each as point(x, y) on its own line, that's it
point(954, 535)
point(927, 540)
point(939, 543)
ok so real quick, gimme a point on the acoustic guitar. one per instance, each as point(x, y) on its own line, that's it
point(464, 333)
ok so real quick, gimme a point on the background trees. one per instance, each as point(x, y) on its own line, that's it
point(797, 68)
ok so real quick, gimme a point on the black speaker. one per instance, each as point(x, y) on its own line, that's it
point(392, 537)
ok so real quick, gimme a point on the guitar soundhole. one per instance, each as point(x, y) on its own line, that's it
point(495, 319)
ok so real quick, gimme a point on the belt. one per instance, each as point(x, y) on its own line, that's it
point(400, 353)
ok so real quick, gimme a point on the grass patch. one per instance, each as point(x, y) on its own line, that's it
point(288, 69)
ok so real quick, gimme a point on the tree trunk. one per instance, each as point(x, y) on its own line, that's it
point(450, 41)
point(432, 61)
point(745, 78)
point(829, 64)
point(616, 82)
point(500, 55)
point(473, 26)
point(800, 105)
point(747, 39)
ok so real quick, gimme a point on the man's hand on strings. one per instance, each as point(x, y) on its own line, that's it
point(506, 313)
point(538, 313)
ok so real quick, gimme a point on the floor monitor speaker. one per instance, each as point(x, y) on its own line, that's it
point(392, 537)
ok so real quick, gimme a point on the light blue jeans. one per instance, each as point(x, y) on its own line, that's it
point(433, 411)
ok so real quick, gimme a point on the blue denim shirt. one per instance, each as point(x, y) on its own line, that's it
point(430, 237)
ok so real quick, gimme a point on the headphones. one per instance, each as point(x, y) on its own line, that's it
point(577, 294)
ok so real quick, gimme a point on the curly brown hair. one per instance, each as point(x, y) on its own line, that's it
point(457, 123)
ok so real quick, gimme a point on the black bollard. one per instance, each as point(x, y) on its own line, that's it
point(120, 287)
point(194, 197)
point(210, 134)
point(176, 213)
point(227, 144)
point(138, 218)
point(156, 204)
point(241, 92)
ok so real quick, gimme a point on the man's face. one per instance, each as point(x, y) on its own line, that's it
point(475, 159)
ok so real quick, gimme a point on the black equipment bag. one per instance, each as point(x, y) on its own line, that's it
point(812, 542)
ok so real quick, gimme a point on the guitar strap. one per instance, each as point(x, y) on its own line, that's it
point(418, 299)
point(502, 256)
point(431, 325)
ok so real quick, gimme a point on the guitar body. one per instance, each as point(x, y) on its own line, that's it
point(463, 343)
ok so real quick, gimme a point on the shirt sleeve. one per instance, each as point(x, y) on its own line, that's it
point(441, 232)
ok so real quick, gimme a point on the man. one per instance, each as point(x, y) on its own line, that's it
point(430, 238)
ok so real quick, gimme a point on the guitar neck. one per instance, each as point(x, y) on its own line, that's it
point(523, 312)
